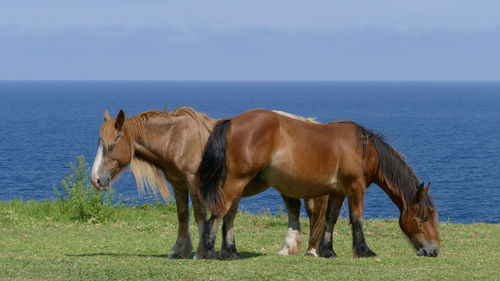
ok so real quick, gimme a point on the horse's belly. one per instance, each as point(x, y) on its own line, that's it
point(301, 186)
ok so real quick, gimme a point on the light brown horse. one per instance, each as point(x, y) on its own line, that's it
point(305, 160)
point(158, 144)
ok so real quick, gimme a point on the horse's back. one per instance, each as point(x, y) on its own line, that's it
point(251, 138)
point(314, 144)
point(299, 158)
point(311, 158)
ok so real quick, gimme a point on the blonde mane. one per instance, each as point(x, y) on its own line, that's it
point(298, 117)
point(147, 175)
point(150, 177)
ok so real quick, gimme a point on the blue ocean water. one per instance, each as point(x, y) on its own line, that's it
point(449, 131)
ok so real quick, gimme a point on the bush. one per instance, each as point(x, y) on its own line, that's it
point(81, 201)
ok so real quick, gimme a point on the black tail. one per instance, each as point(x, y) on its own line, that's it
point(211, 173)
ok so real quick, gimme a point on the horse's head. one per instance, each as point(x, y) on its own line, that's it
point(420, 224)
point(114, 152)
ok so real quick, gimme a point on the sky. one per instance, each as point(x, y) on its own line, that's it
point(250, 40)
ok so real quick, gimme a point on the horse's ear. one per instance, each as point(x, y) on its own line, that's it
point(419, 194)
point(120, 119)
point(106, 116)
point(428, 187)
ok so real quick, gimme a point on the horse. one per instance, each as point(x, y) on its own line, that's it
point(159, 145)
point(306, 160)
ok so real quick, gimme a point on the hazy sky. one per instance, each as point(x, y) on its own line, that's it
point(250, 40)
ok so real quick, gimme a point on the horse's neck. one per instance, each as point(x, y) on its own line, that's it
point(391, 192)
point(394, 181)
point(162, 134)
point(145, 153)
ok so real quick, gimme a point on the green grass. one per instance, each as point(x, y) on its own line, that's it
point(38, 241)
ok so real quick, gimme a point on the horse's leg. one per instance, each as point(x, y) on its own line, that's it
point(232, 191)
point(206, 248)
point(228, 249)
point(293, 239)
point(325, 247)
point(316, 210)
point(183, 246)
point(200, 216)
point(355, 196)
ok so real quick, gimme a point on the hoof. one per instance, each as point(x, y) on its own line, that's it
point(203, 253)
point(180, 252)
point(229, 255)
point(175, 256)
point(328, 254)
point(311, 253)
point(205, 256)
point(367, 253)
point(209, 256)
point(288, 252)
point(283, 252)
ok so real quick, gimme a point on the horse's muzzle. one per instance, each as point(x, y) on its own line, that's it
point(428, 252)
point(99, 183)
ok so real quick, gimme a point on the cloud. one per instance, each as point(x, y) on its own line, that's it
point(255, 54)
point(250, 39)
point(286, 16)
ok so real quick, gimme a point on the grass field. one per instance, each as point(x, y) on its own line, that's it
point(38, 242)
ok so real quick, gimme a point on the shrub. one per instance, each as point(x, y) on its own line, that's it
point(81, 201)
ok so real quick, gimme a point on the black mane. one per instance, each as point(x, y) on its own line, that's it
point(396, 172)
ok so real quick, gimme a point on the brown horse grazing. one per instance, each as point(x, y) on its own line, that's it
point(305, 160)
point(158, 144)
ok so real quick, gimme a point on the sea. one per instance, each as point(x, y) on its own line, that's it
point(448, 131)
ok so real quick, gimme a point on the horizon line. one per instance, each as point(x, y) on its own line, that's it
point(239, 80)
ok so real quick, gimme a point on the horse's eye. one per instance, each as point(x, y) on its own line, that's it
point(426, 218)
point(110, 147)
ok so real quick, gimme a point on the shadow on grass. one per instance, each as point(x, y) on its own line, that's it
point(243, 255)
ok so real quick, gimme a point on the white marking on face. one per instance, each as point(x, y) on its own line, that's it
point(98, 159)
